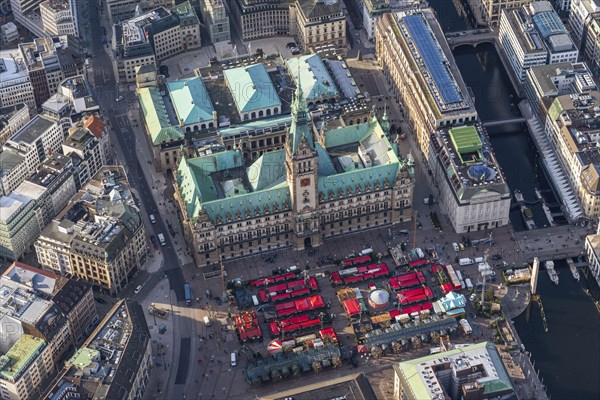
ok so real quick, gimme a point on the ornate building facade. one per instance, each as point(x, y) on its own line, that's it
point(322, 184)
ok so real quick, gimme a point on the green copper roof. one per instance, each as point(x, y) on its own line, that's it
point(156, 117)
point(465, 139)
point(190, 100)
point(314, 76)
point(326, 167)
point(267, 170)
point(299, 130)
point(84, 357)
point(251, 88)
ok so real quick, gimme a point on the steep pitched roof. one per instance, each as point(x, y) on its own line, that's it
point(95, 124)
point(267, 170)
point(318, 8)
point(190, 100)
point(316, 80)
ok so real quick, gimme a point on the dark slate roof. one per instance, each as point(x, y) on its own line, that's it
point(318, 9)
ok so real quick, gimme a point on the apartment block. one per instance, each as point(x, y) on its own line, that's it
point(113, 363)
point(154, 36)
point(99, 237)
point(534, 35)
point(584, 21)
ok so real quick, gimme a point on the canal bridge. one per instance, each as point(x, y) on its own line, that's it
point(474, 37)
point(497, 122)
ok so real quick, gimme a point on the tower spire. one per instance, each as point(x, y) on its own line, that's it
point(299, 129)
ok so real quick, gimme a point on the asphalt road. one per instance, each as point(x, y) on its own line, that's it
point(123, 139)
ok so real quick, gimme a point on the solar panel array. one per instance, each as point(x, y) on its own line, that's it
point(432, 55)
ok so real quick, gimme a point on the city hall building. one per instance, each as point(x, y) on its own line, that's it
point(321, 184)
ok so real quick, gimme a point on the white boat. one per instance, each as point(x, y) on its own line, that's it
point(551, 271)
point(574, 271)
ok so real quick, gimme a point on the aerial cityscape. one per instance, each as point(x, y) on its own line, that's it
point(300, 199)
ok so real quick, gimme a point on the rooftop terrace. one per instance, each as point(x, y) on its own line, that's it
point(20, 355)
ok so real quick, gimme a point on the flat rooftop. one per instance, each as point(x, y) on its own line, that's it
point(424, 38)
point(469, 161)
point(33, 130)
point(11, 66)
point(133, 29)
point(20, 355)
point(350, 387)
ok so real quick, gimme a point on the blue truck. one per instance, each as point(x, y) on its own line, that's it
point(188, 294)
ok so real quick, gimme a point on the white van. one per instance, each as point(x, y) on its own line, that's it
point(455, 247)
point(138, 289)
point(152, 219)
point(233, 359)
point(293, 268)
point(255, 300)
point(206, 321)
point(479, 259)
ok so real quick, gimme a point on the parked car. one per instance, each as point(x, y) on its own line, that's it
point(100, 300)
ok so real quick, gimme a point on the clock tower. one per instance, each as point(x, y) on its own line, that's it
point(302, 167)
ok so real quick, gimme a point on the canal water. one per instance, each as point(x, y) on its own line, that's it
point(567, 355)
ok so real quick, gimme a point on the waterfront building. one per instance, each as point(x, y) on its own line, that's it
point(99, 237)
point(573, 126)
point(154, 36)
point(323, 184)
point(319, 87)
point(320, 23)
point(584, 21)
point(474, 372)
point(545, 82)
point(216, 19)
point(113, 363)
point(121, 10)
point(468, 181)
point(491, 10)
point(59, 17)
point(33, 143)
point(419, 65)
point(15, 83)
point(256, 19)
point(12, 118)
point(534, 35)
point(592, 250)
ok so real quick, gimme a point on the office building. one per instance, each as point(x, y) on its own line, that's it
point(584, 21)
point(12, 118)
point(51, 187)
point(592, 251)
point(474, 372)
point(154, 36)
point(25, 13)
point(113, 363)
point(48, 62)
point(77, 89)
point(468, 181)
point(15, 84)
point(121, 10)
point(9, 33)
point(491, 10)
point(99, 237)
point(88, 144)
point(323, 184)
point(419, 65)
point(545, 82)
point(19, 225)
point(534, 35)
point(59, 17)
point(573, 126)
point(320, 23)
point(33, 143)
point(216, 19)
point(52, 313)
point(256, 19)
